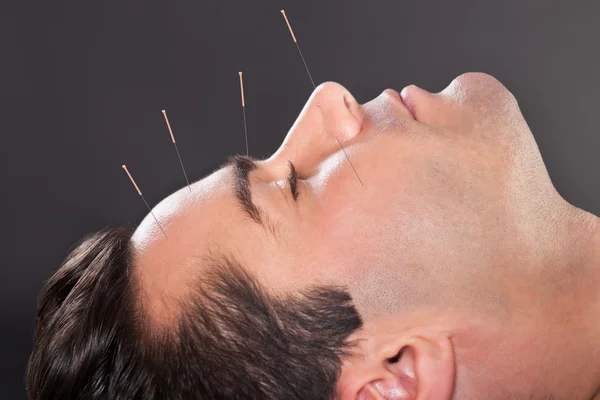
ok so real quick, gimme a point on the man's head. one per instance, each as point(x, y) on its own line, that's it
point(390, 247)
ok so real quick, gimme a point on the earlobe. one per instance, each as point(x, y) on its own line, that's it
point(373, 392)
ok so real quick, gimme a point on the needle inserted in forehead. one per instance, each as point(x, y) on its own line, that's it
point(142, 196)
point(176, 149)
point(298, 47)
point(244, 110)
point(342, 147)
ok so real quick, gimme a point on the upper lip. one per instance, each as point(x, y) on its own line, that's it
point(396, 96)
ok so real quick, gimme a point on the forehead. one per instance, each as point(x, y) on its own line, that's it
point(192, 220)
point(186, 216)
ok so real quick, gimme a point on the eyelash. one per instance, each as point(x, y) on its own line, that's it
point(293, 180)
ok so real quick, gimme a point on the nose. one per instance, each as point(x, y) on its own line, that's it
point(340, 112)
point(330, 117)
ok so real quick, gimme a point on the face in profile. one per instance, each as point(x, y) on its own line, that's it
point(410, 186)
point(411, 247)
point(411, 201)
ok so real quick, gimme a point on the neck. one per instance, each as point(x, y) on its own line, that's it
point(591, 265)
point(578, 268)
point(570, 305)
point(552, 336)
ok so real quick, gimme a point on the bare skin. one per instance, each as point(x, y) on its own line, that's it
point(459, 253)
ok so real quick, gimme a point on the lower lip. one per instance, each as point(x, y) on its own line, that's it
point(395, 95)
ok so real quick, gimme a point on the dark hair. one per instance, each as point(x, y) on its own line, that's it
point(233, 340)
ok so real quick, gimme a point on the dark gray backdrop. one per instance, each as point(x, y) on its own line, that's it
point(83, 85)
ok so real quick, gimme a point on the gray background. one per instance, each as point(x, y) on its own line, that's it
point(82, 86)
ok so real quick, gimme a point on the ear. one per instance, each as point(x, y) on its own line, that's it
point(413, 368)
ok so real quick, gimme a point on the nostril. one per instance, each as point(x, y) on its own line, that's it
point(408, 96)
point(346, 101)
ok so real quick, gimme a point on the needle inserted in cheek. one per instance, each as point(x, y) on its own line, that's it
point(176, 149)
point(298, 47)
point(142, 196)
point(342, 147)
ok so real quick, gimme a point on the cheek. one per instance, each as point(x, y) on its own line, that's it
point(350, 223)
point(349, 216)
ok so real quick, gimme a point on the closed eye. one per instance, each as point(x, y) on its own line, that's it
point(293, 180)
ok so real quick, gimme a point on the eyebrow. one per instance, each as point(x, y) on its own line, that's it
point(242, 165)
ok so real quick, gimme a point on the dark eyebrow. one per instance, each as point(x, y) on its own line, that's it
point(242, 165)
